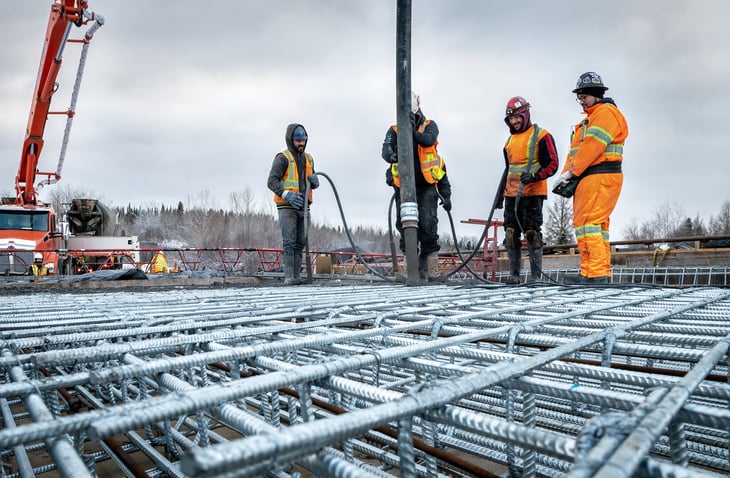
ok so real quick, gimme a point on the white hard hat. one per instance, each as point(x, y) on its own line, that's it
point(415, 101)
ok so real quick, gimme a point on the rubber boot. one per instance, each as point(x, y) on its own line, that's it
point(402, 274)
point(434, 271)
point(535, 263)
point(288, 257)
point(534, 250)
point(423, 267)
point(298, 266)
point(515, 257)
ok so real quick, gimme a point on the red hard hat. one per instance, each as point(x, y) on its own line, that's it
point(516, 105)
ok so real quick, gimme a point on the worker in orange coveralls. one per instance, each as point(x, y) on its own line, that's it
point(595, 157)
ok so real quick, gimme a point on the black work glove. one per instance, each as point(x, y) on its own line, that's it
point(446, 203)
point(500, 203)
point(393, 158)
point(527, 178)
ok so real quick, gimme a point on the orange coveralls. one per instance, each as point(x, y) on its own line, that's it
point(599, 138)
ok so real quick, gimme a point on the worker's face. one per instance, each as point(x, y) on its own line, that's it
point(299, 144)
point(516, 122)
point(586, 101)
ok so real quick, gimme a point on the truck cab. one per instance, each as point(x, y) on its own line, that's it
point(25, 231)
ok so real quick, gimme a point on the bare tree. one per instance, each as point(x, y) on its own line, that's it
point(668, 219)
point(244, 222)
point(720, 225)
point(632, 231)
point(60, 195)
point(559, 224)
point(243, 202)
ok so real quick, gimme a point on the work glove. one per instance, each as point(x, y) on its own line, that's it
point(564, 178)
point(389, 178)
point(500, 203)
point(295, 200)
point(393, 158)
point(527, 178)
point(446, 203)
point(313, 181)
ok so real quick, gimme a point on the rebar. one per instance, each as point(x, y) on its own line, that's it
point(361, 380)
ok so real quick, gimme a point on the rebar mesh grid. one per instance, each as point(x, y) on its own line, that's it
point(366, 380)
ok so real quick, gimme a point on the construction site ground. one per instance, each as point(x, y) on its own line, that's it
point(358, 376)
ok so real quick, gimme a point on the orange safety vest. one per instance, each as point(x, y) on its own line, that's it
point(522, 150)
point(433, 166)
point(290, 180)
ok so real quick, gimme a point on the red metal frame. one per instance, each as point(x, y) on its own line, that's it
point(490, 265)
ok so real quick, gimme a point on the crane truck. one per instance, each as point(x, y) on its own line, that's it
point(32, 237)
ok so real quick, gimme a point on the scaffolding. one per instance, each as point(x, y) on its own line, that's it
point(366, 380)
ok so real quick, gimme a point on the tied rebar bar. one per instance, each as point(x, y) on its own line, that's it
point(367, 380)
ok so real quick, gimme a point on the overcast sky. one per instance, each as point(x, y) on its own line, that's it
point(181, 99)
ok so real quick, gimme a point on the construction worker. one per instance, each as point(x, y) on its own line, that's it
point(595, 157)
point(530, 158)
point(37, 268)
point(290, 171)
point(158, 264)
point(432, 185)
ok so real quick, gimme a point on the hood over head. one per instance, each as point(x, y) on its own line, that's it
point(518, 106)
point(290, 135)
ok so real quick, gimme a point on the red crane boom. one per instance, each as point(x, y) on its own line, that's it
point(64, 15)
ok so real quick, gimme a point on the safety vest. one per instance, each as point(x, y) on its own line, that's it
point(290, 180)
point(598, 139)
point(522, 151)
point(433, 166)
point(159, 264)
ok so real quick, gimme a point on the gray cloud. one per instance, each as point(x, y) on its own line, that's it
point(177, 99)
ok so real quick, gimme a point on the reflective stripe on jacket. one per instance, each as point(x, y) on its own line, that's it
point(597, 139)
point(433, 167)
point(521, 150)
point(290, 180)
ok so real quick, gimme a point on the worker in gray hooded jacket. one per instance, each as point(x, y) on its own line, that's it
point(290, 172)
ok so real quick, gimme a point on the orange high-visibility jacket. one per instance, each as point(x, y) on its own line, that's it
point(432, 165)
point(290, 180)
point(597, 139)
point(521, 149)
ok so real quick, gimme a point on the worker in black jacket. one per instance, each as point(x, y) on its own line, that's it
point(432, 184)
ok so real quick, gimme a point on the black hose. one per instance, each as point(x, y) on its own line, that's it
point(307, 256)
point(518, 197)
point(347, 231)
point(458, 251)
point(391, 239)
point(497, 198)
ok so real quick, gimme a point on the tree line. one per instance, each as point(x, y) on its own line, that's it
point(201, 222)
point(667, 221)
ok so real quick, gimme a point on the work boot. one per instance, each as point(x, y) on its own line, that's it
point(289, 259)
point(535, 264)
point(599, 280)
point(575, 279)
point(432, 267)
point(423, 267)
point(515, 256)
point(297, 266)
point(402, 274)
point(583, 280)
